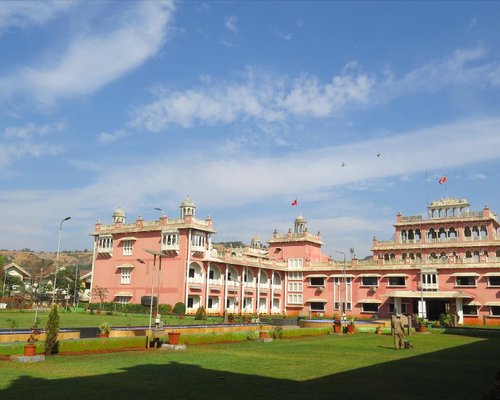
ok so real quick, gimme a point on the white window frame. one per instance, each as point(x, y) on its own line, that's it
point(295, 263)
point(295, 298)
point(125, 276)
point(127, 247)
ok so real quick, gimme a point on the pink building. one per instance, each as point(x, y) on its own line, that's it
point(447, 263)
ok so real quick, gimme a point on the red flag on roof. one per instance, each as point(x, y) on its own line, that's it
point(294, 203)
point(442, 180)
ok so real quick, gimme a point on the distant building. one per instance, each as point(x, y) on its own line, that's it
point(448, 262)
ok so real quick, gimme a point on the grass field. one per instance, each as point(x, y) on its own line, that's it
point(25, 319)
point(360, 366)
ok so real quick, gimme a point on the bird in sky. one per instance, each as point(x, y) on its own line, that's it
point(379, 154)
point(343, 164)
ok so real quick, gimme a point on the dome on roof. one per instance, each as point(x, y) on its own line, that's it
point(187, 202)
point(300, 218)
point(119, 212)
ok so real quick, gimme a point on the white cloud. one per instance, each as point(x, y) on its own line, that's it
point(231, 23)
point(465, 67)
point(105, 137)
point(221, 183)
point(21, 14)
point(92, 61)
point(24, 142)
point(258, 98)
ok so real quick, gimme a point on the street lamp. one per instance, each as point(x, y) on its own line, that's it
point(150, 301)
point(161, 210)
point(57, 258)
point(345, 287)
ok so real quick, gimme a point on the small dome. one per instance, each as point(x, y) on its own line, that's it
point(300, 218)
point(187, 202)
point(119, 212)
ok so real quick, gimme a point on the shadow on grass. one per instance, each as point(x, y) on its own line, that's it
point(464, 372)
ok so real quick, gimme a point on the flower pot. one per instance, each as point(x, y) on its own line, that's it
point(262, 335)
point(173, 337)
point(102, 335)
point(421, 328)
point(29, 349)
point(337, 328)
point(350, 328)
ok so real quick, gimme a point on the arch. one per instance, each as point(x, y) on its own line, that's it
point(276, 278)
point(452, 233)
point(483, 232)
point(467, 231)
point(263, 277)
point(412, 256)
point(386, 256)
point(215, 272)
point(404, 256)
point(468, 254)
point(248, 275)
point(443, 256)
point(411, 234)
point(195, 272)
point(497, 253)
point(475, 231)
point(433, 256)
point(232, 274)
point(418, 256)
point(442, 234)
point(418, 234)
point(404, 236)
point(393, 256)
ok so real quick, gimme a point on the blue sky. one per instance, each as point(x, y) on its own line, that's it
point(244, 106)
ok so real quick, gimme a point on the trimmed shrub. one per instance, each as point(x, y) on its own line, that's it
point(201, 314)
point(179, 309)
point(52, 331)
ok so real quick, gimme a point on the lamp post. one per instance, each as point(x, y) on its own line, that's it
point(57, 257)
point(76, 283)
point(163, 213)
point(345, 287)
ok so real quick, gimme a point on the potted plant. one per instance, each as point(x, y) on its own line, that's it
point(378, 330)
point(104, 329)
point(30, 347)
point(173, 337)
point(337, 324)
point(421, 323)
point(262, 332)
point(350, 325)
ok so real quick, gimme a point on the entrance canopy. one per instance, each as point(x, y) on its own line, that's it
point(413, 294)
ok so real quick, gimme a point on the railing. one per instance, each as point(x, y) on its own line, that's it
point(231, 283)
point(276, 287)
point(196, 279)
point(412, 218)
point(249, 284)
point(264, 285)
point(200, 249)
point(105, 250)
point(215, 282)
point(169, 247)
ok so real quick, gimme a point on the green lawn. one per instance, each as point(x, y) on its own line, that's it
point(360, 366)
point(26, 318)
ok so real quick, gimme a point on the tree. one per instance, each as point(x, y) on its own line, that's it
point(100, 292)
point(52, 331)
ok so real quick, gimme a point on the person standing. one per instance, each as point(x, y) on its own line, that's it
point(398, 331)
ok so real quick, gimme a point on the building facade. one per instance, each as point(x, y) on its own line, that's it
point(446, 263)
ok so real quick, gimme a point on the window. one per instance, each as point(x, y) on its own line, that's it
point(317, 281)
point(295, 286)
point(190, 302)
point(127, 247)
point(170, 239)
point(404, 308)
point(369, 281)
point(122, 299)
point(369, 307)
point(494, 280)
point(125, 276)
point(465, 281)
point(210, 302)
point(470, 310)
point(295, 299)
point(295, 275)
point(191, 273)
point(211, 274)
point(397, 281)
point(295, 263)
point(495, 311)
point(318, 306)
point(198, 240)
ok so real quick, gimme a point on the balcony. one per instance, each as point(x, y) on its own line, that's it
point(105, 250)
point(197, 280)
point(215, 282)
